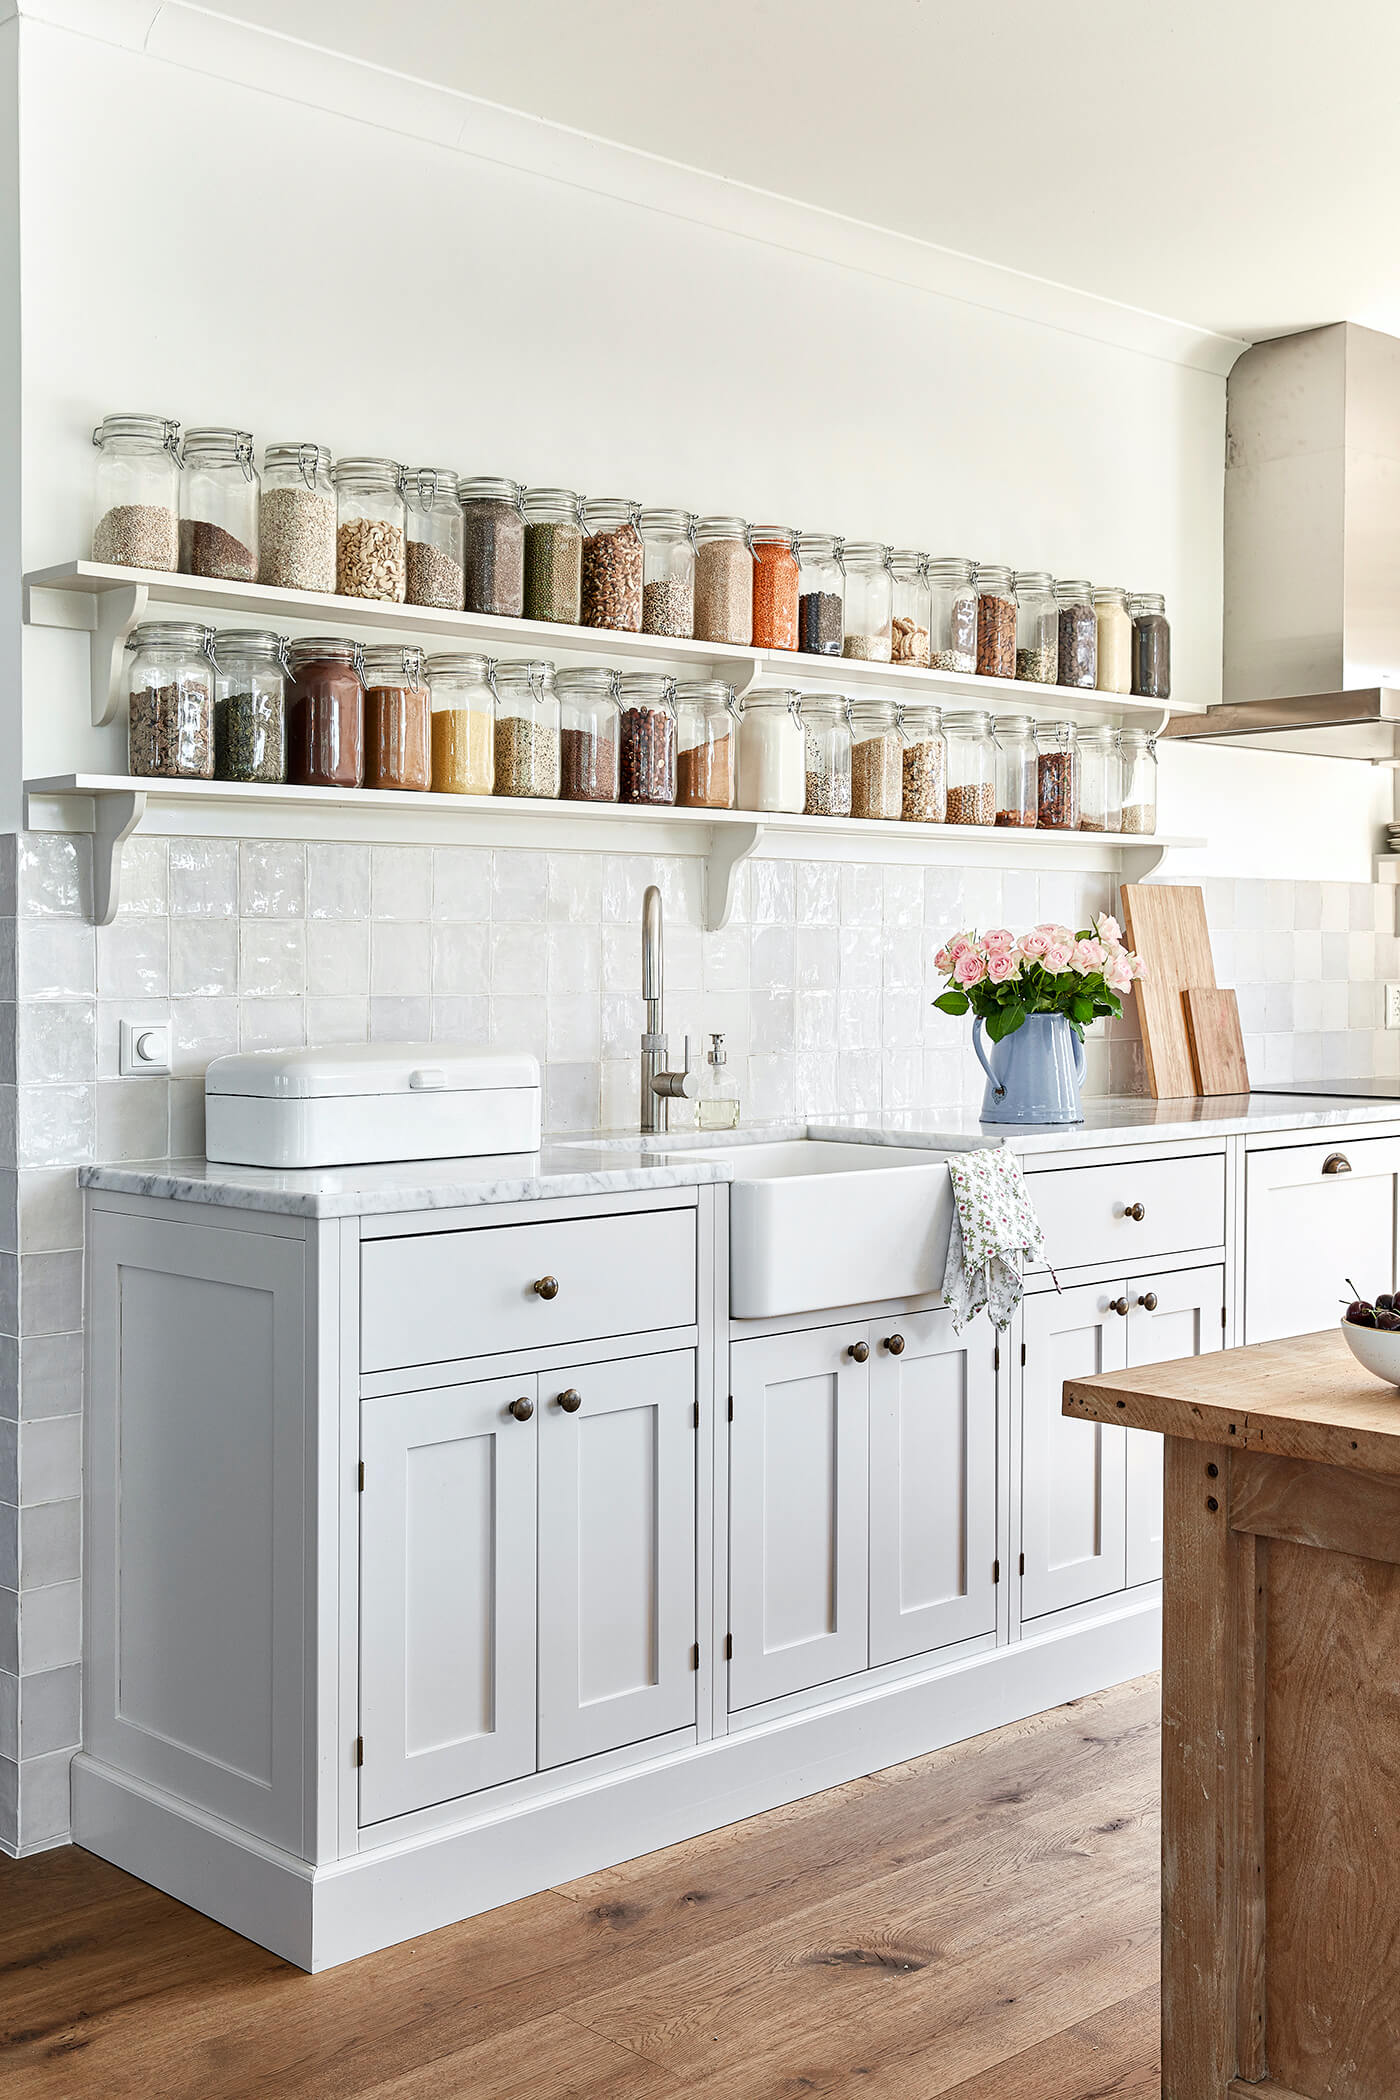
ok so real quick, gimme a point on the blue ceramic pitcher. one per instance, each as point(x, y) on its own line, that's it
point(1033, 1075)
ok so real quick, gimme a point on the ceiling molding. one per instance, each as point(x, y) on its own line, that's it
point(201, 40)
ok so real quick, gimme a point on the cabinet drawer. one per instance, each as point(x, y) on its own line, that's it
point(435, 1296)
point(1085, 1210)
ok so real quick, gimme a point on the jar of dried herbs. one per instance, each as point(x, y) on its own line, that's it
point(1138, 752)
point(1077, 639)
point(972, 794)
point(588, 734)
point(826, 725)
point(1115, 639)
point(668, 572)
point(1017, 772)
point(219, 491)
point(610, 593)
point(250, 706)
point(553, 555)
point(326, 719)
point(464, 723)
point(527, 729)
point(996, 621)
point(1152, 646)
point(170, 700)
point(433, 520)
point(925, 766)
point(772, 753)
point(877, 759)
point(952, 613)
point(1037, 627)
point(1100, 779)
point(493, 546)
point(869, 601)
point(821, 594)
point(909, 633)
point(296, 519)
point(138, 492)
point(648, 738)
point(707, 733)
point(398, 729)
point(774, 587)
point(370, 545)
point(1057, 777)
point(723, 582)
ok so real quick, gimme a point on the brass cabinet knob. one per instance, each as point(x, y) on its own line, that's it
point(1336, 1163)
point(895, 1344)
point(858, 1352)
point(1120, 1306)
point(1148, 1301)
point(1135, 1211)
point(571, 1401)
point(547, 1287)
point(522, 1409)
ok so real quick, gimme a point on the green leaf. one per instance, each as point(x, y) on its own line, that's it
point(952, 1002)
point(1081, 1009)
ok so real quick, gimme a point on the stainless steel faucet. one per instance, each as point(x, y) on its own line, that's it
point(659, 1087)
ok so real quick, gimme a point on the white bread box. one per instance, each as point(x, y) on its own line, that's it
point(362, 1102)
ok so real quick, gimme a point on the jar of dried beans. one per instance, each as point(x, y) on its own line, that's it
point(925, 766)
point(527, 729)
point(707, 727)
point(138, 492)
point(170, 700)
point(1152, 646)
point(219, 492)
point(826, 725)
point(668, 572)
point(909, 638)
point(588, 734)
point(553, 555)
point(869, 601)
point(1037, 627)
point(493, 546)
point(648, 738)
point(1115, 639)
point(774, 587)
point(996, 621)
point(972, 797)
point(370, 559)
point(433, 519)
point(398, 707)
point(1100, 780)
point(326, 723)
point(877, 759)
point(723, 582)
point(1077, 638)
point(464, 723)
point(821, 594)
point(1057, 777)
point(250, 706)
point(296, 519)
point(1017, 773)
point(611, 583)
point(1138, 753)
point(772, 753)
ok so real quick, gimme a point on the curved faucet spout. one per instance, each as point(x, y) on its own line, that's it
point(653, 962)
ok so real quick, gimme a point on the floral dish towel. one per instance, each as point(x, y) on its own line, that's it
point(995, 1229)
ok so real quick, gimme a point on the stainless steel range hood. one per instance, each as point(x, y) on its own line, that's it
point(1363, 724)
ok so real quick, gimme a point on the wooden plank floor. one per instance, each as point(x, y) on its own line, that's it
point(979, 1924)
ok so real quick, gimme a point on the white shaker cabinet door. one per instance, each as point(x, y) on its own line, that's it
point(933, 1449)
point(447, 1593)
point(1314, 1215)
point(798, 1512)
point(617, 1553)
point(1169, 1317)
point(1073, 1473)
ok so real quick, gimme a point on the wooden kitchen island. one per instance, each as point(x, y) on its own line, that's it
point(1280, 1718)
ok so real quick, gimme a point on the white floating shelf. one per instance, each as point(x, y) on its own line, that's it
point(112, 806)
point(106, 602)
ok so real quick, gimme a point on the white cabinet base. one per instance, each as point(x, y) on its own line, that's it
point(320, 1916)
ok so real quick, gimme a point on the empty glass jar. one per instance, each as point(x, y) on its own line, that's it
point(170, 700)
point(553, 555)
point(464, 723)
point(827, 728)
point(370, 547)
point(877, 759)
point(1100, 780)
point(772, 753)
point(398, 707)
point(668, 572)
point(925, 766)
point(493, 546)
point(952, 629)
point(296, 519)
point(996, 621)
point(611, 583)
point(1138, 751)
point(909, 634)
point(219, 492)
point(707, 735)
point(588, 734)
point(1115, 639)
point(1152, 646)
point(648, 750)
point(1017, 774)
point(1037, 627)
point(138, 492)
point(1077, 639)
point(527, 729)
point(775, 577)
point(1057, 777)
point(972, 795)
point(433, 520)
point(821, 594)
point(326, 719)
point(723, 582)
point(250, 706)
point(869, 601)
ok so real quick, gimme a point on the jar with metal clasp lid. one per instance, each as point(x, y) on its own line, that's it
point(170, 700)
point(877, 759)
point(1017, 772)
point(668, 572)
point(925, 764)
point(826, 726)
point(1100, 779)
point(370, 546)
point(296, 519)
point(775, 587)
point(648, 749)
point(433, 570)
point(707, 734)
point(723, 581)
point(588, 734)
point(219, 491)
point(869, 601)
point(772, 752)
point(398, 727)
point(821, 594)
point(463, 724)
point(250, 705)
point(326, 722)
point(493, 541)
point(527, 729)
point(910, 630)
point(1138, 753)
point(138, 492)
point(610, 582)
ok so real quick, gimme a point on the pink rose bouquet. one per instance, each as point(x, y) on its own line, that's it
point(1002, 977)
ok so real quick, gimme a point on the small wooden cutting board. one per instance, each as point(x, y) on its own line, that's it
point(1217, 1044)
point(1166, 924)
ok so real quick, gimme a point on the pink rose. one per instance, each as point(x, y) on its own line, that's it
point(999, 941)
point(1033, 945)
point(1059, 954)
point(1108, 928)
point(1118, 973)
point(1089, 956)
point(1002, 966)
point(969, 969)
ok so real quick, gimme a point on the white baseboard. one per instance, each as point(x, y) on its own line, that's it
point(318, 1917)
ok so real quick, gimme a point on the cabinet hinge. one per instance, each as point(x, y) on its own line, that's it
point(1023, 1356)
point(996, 1571)
point(729, 1647)
point(696, 1415)
point(996, 1356)
point(1222, 1319)
point(362, 1476)
point(1021, 1568)
point(695, 1656)
point(731, 1407)
point(358, 1756)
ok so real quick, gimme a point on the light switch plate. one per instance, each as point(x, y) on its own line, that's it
point(144, 1046)
point(1392, 1006)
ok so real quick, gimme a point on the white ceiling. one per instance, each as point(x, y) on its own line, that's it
point(1230, 163)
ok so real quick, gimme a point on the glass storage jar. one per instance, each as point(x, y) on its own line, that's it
point(1152, 645)
point(723, 582)
point(772, 753)
point(826, 725)
point(493, 546)
point(611, 584)
point(138, 492)
point(553, 555)
point(1077, 636)
point(219, 492)
point(877, 759)
point(996, 621)
point(1037, 627)
point(170, 700)
point(1018, 771)
point(527, 729)
point(774, 587)
point(909, 632)
point(668, 572)
point(369, 529)
point(433, 520)
point(925, 766)
point(1100, 780)
point(326, 720)
point(647, 763)
point(296, 519)
point(1115, 639)
point(250, 706)
point(869, 601)
point(1057, 776)
point(588, 734)
point(707, 732)
point(464, 723)
point(821, 594)
point(1138, 752)
point(952, 627)
point(398, 728)
point(972, 795)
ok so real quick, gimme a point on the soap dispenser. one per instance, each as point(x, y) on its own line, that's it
point(718, 1105)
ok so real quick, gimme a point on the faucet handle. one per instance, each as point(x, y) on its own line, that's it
point(678, 1086)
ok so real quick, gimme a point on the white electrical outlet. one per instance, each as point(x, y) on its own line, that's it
point(1392, 1006)
point(144, 1047)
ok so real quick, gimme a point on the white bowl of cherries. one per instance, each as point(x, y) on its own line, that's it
point(1372, 1330)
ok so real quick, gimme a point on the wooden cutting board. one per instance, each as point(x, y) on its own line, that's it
point(1166, 925)
point(1213, 1024)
